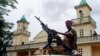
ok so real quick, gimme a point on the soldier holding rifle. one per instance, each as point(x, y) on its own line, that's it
point(71, 36)
point(70, 39)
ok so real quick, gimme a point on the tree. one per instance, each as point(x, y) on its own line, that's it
point(5, 34)
point(3, 6)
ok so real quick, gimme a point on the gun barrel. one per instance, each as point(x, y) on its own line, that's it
point(38, 19)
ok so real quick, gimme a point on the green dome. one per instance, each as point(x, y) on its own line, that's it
point(23, 19)
point(83, 2)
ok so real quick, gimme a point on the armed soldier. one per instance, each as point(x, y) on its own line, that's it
point(70, 39)
point(69, 45)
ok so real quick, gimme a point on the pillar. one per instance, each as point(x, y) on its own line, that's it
point(29, 53)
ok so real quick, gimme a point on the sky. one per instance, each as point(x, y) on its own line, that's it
point(54, 13)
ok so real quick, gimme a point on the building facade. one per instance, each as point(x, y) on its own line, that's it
point(85, 27)
point(88, 45)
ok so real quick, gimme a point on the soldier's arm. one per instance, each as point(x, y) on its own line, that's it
point(61, 33)
point(66, 34)
point(72, 33)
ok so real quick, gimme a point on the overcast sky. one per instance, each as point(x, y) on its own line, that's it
point(52, 12)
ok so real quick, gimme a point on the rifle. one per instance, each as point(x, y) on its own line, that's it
point(52, 35)
point(43, 25)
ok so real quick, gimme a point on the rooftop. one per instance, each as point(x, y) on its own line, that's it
point(23, 19)
point(83, 3)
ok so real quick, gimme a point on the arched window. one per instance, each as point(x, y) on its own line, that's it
point(81, 32)
point(81, 13)
point(90, 32)
point(81, 16)
point(22, 43)
point(24, 27)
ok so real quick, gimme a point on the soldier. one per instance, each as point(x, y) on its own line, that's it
point(95, 35)
point(70, 39)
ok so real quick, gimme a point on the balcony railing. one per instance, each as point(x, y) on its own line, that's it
point(22, 32)
point(27, 46)
point(84, 20)
point(81, 40)
point(11, 48)
point(22, 47)
point(88, 39)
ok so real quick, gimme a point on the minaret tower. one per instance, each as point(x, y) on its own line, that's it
point(21, 35)
point(84, 24)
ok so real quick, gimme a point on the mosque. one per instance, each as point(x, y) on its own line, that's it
point(84, 24)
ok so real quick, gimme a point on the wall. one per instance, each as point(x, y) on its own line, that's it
point(17, 40)
point(86, 28)
point(11, 54)
point(86, 50)
point(96, 50)
point(85, 10)
point(41, 37)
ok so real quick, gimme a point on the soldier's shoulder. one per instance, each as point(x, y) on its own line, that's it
point(73, 29)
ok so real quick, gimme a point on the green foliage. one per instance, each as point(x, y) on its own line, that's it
point(1, 27)
point(3, 6)
point(5, 34)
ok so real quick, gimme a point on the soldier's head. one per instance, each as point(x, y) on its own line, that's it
point(68, 24)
